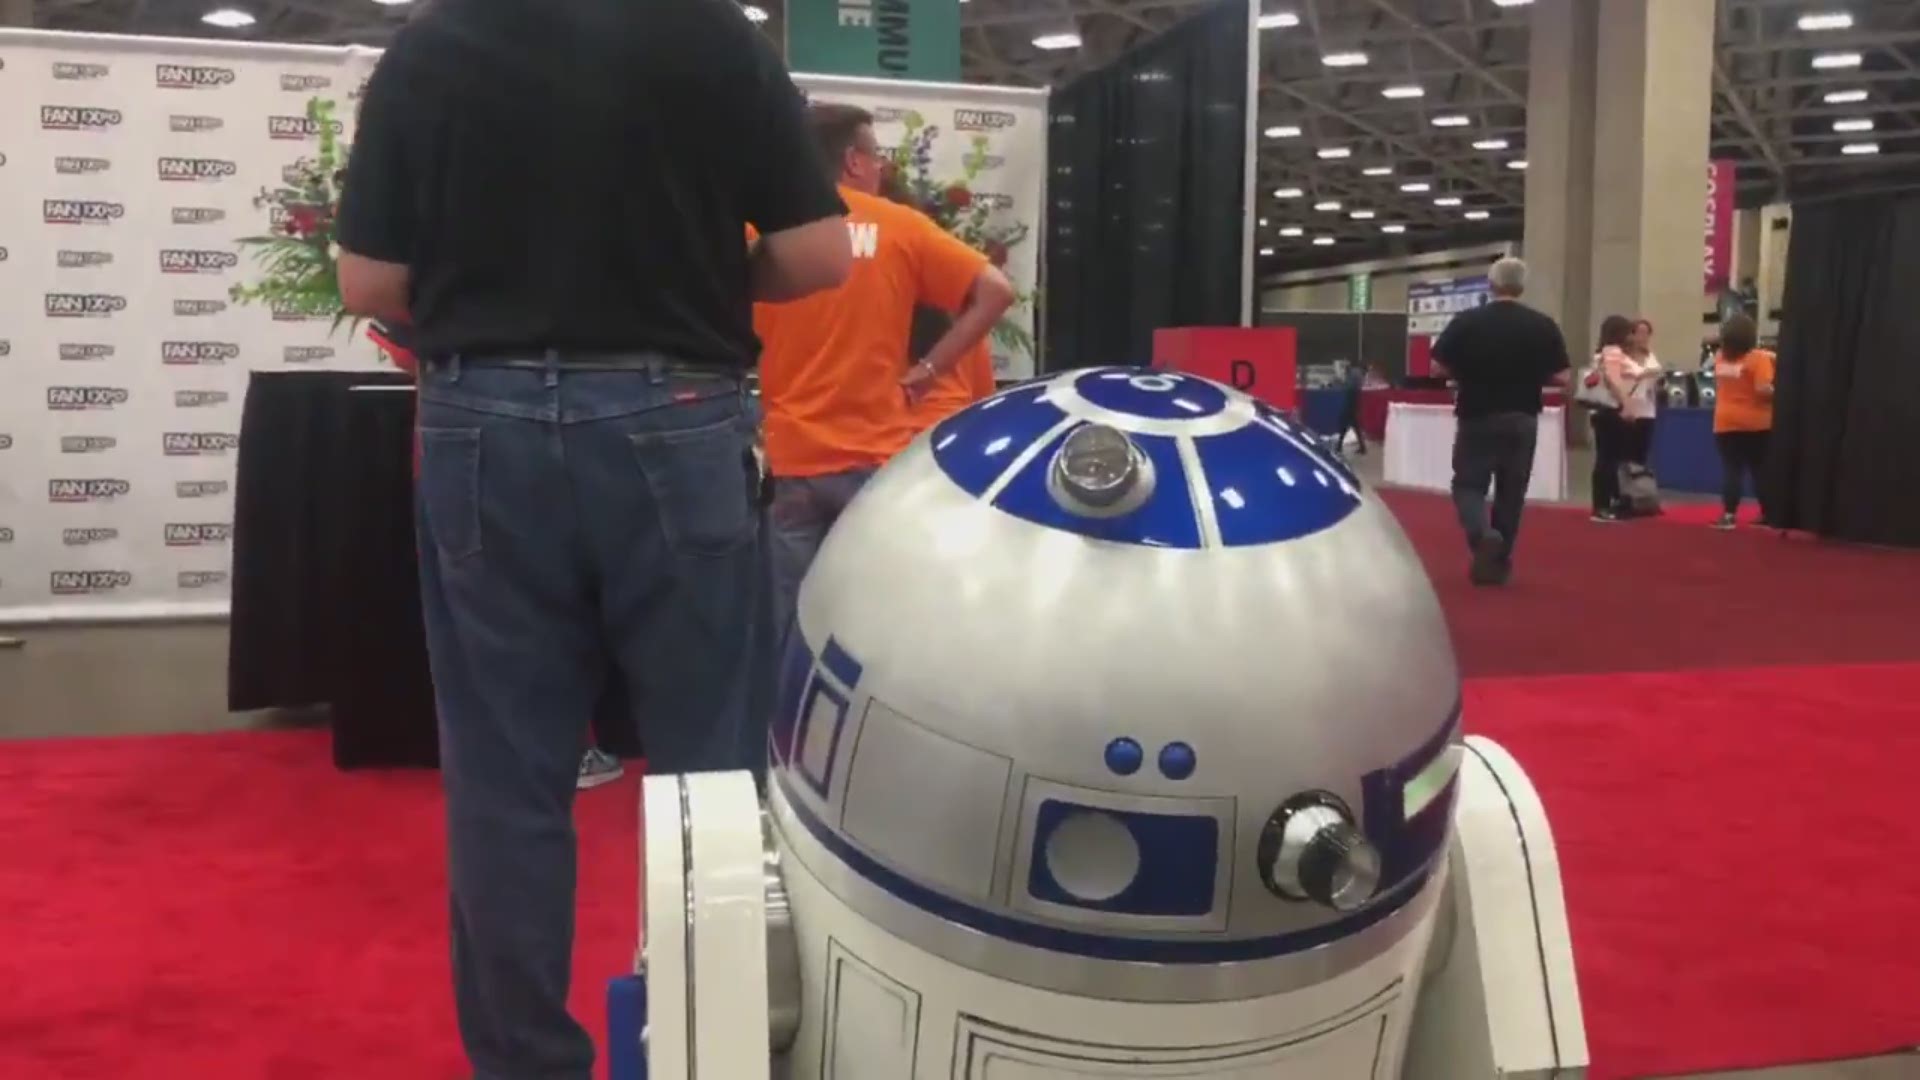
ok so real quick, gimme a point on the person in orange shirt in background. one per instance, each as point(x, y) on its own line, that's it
point(1742, 414)
point(971, 380)
point(836, 385)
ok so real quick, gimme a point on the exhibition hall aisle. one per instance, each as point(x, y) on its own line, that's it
point(1724, 750)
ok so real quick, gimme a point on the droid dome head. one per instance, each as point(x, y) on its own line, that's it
point(1115, 678)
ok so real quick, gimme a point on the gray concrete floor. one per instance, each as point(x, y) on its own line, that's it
point(132, 680)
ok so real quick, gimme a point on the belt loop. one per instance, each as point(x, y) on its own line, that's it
point(553, 368)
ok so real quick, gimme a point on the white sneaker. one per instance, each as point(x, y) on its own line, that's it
point(599, 767)
point(1724, 522)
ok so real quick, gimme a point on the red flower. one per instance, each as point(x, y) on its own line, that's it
point(303, 220)
point(959, 197)
point(996, 253)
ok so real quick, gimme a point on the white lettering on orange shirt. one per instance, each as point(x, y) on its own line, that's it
point(865, 236)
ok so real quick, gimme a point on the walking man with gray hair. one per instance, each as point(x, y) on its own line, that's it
point(1500, 356)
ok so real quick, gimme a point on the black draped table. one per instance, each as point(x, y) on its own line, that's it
point(326, 589)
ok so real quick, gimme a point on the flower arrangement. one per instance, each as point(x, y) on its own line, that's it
point(958, 209)
point(299, 258)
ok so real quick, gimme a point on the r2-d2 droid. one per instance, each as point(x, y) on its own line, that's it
point(1119, 736)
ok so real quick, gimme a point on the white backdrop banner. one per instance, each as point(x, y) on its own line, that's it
point(978, 155)
point(128, 170)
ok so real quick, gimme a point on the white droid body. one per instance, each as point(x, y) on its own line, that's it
point(1119, 735)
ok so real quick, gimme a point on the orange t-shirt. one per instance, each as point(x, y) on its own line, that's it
point(1738, 404)
point(831, 363)
point(970, 381)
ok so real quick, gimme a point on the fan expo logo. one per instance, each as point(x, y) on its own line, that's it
point(298, 127)
point(284, 311)
point(194, 309)
point(78, 118)
point(181, 124)
point(300, 84)
point(84, 305)
point(190, 170)
point(186, 261)
point(81, 166)
point(87, 491)
point(88, 537)
point(198, 215)
point(81, 212)
point(199, 443)
point(197, 353)
point(199, 399)
point(188, 77)
point(85, 398)
point(87, 444)
point(82, 260)
point(306, 354)
point(89, 582)
point(198, 535)
point(68, 72)
point(81, 351)
point(983, 120)
point(202, 579)
point(200, 489)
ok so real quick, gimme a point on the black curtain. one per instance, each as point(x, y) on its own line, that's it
point(1845, 458)
point(1146, 164)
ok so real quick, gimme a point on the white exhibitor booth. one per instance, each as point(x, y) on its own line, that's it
point(1419, 450)
point(135, 166)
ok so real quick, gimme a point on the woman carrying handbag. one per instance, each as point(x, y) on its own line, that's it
point(1605, 387)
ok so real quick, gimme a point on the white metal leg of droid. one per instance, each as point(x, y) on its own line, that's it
point(724, 986)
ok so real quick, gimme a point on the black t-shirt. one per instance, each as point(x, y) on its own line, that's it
point(579, 175)
point(1501, 354)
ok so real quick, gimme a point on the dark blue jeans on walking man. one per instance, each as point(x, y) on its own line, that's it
point(568, 516)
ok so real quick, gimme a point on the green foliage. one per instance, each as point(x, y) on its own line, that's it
point(299, 260)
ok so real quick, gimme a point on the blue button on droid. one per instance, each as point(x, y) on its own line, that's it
point(1177, 761)
point(1124, 756)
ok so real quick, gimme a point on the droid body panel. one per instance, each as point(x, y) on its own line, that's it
point(1084, 761)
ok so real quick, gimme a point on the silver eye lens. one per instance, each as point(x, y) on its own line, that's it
point(1097, 465)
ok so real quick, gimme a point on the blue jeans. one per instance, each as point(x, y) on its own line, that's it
point(804, 508)
point(568, 517)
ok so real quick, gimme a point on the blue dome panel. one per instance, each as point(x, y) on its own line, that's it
point(1151, 395)
point(974, 446)
point(1266, 489)
point(1166, 519)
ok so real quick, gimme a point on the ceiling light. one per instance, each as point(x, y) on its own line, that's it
point(1393, 230)
point(1398, 92)
point(1490, 144)
point(1476, 215)
point(1287, 193)
point(1377, 170)
point(755, 13)
point(1283, 131)
point(750, 8)
point(1361, 215)
point(1263, 223)
point(1292, 230)
point(1860, 124)
point(1451, 120)
point(1056, 42)
point(1345, 59)
point(1860, 148)
point(1833, 61)
point(1323, 241)
point(1518, 166)
point(1334, 153)
point(1511, 3)
point(1845, 97)
point(228, 18)
point(1418, 187)
point(1266, 251)
point(1447, 200)
point(1838, 20)
point(1327, 207)
point(1278, 20)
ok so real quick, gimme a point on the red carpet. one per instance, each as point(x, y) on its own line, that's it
point(1735, 833)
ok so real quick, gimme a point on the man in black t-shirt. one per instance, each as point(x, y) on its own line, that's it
point(555, 198)
point(1500, 355)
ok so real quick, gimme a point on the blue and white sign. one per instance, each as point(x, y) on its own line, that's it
point(1431, 305)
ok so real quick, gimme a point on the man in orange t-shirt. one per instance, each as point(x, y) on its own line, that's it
point(836, 381)
point(967, 383)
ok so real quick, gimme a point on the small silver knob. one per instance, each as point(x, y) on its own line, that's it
point(1097, 468)
point(1311, 850)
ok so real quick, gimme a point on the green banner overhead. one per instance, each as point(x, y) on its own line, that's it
point(1360, 292)
point(888, 39)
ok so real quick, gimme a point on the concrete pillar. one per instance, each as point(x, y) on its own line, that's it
point(16, 12)
point(1618, 117)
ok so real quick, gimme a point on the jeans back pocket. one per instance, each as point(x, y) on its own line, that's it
point(450, 489)
point(704, 483)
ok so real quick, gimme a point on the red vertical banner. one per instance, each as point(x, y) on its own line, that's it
point(1719, 222)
